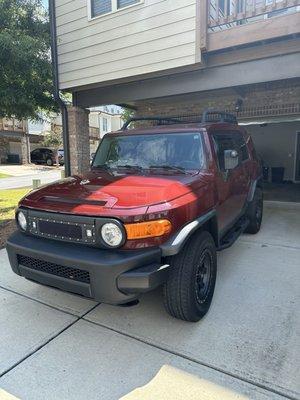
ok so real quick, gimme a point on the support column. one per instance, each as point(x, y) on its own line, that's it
point(79, 140)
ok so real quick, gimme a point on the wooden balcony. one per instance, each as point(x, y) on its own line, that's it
point(231, 23)
point(12, 125)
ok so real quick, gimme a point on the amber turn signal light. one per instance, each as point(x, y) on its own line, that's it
point(148, 229)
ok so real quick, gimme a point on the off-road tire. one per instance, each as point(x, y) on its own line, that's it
point(182, 296)
point(255, 212)
point(49, 162)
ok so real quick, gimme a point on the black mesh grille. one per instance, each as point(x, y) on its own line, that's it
point(60, 229)
point(55, 269)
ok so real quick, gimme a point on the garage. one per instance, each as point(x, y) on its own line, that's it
point(277, 143)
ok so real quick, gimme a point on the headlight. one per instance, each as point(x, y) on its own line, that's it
point(112, 234)
point(22, 220)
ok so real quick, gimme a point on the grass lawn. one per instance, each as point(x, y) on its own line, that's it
point(8, 202)
point(2, 175)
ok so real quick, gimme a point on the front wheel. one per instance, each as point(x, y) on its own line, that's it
point(255, 212)
point(49, 162)
point(190, 286)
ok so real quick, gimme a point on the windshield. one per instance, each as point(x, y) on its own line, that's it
point(180, 151)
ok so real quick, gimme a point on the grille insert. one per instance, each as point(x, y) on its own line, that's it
point(60, 229)
point(55, 269)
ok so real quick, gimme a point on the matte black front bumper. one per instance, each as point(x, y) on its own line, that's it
point(115, 276)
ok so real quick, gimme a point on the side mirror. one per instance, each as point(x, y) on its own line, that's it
point(231, 159)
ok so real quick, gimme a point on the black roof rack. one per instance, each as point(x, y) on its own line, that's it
point(209, 115)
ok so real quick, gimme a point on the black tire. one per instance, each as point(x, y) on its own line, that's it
point(190, 286)
point(49, 162)
point(255, 212)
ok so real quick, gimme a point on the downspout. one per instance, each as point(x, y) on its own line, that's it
point(58, 99)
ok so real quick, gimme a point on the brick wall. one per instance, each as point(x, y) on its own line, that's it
point(258, 100)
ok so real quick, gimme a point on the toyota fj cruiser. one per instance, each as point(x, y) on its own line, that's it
point(157, 205)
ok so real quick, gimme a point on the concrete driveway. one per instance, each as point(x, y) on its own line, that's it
point(56, 345)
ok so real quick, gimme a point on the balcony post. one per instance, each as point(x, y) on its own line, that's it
point(202, 6)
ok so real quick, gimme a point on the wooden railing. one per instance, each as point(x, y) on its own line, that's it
point(231, 23)
point(12, 125)
point(228, 13)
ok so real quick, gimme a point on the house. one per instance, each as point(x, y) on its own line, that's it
point(16, 141)
point(182, 56)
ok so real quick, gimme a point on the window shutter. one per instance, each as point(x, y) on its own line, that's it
point(125, 3)
point(100, 7)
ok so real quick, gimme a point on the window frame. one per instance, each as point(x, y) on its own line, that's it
point(114, 10)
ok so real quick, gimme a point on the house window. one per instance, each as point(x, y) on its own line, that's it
point(101, 7)
point(104, 125)
point(126, 3)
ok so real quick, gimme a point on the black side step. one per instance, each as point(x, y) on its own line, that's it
point(232, 235)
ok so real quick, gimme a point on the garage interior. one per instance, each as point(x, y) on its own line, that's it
point(277, 143)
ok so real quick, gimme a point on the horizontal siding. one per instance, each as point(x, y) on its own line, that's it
point(108, 76)
point(67, 24)
point(153, 36)
point(106, 31)
point(132, 62)
point(128, 53)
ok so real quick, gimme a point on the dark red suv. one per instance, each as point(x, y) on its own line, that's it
point(154, 209)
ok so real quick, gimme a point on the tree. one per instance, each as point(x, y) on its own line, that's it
point(26, 86)
point(127, 113)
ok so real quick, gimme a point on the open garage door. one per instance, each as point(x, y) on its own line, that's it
point(278, 145)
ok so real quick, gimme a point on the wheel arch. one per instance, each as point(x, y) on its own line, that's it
point(256, 183)
point(207, 222)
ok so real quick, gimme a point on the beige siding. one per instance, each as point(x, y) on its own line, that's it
point(149, 37)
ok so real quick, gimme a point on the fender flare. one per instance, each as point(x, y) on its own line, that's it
point(175, 243)
point(254, 184)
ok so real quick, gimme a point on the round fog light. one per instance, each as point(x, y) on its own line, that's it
point(22, 221)
point(111, 234)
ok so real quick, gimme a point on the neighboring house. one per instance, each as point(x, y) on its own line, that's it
point(17, 140)
point(107, 118)
point(182, 56)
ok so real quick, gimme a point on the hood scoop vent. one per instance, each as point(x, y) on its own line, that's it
point(54, 199)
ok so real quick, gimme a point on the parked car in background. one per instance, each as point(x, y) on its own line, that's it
point(43, 156)
point(47, 156)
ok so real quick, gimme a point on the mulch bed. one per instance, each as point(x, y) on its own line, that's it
point(6, 229)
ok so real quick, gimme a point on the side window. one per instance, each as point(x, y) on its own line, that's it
point(241, 146)
point(222, 141)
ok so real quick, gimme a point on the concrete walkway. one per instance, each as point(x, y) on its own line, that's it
point(55, 345)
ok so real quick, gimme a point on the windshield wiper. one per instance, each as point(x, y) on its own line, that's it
point(129, 166)
point(103, 166)
point(169, 168)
